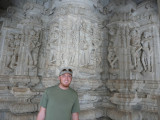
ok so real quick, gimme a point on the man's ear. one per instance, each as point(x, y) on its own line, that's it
point(59, 77)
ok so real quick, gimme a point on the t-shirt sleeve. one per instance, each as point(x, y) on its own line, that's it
point(44, 100)
point(76, 107)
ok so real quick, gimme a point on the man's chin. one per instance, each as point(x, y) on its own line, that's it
point(66, 85)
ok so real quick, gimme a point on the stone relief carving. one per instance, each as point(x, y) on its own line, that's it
point(31, 48)
point(10, 50)
point(73, 44)
point(112, 48)
point(21, 50)
point(52, 44)
point(147, 51)
point(80, 39)
point(112, 58)
point(32, 45)
point(75, 40)
point(83, 44)
point(135, 49)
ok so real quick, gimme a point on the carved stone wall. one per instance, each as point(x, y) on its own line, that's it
point(112, 47)
point(133, 56)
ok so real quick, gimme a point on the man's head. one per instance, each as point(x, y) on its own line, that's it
point(66, 70)
point(65, 77)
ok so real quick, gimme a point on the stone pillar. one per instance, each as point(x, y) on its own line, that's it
point(75, 40)
point(133, 52)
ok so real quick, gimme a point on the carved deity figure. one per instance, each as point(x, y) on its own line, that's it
point(72, 44)
point(84, 52)
point(52, 52)
point(135, 48)
point(113, 37)
point(35, 48)
point(32, 47)
point(83, 44)
point(15, 57)
point(112, 52)
point(83, 30)
point(95, 57)
point(112, 58)
point(147, 51)
point(54, 35)
point(10, 50)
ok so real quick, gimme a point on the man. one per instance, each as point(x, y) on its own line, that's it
point(60, 102)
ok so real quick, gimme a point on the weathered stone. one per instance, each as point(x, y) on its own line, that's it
point(23, 108)
point(23, 117)
point(22, 92)
point(91, 114)
point(112, 47)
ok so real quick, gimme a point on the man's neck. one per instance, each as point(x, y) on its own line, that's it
point(63, 87)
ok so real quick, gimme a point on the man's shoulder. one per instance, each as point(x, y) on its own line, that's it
point(73, 91)
point(51, 88)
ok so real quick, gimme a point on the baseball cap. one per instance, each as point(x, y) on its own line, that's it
point(65, 70)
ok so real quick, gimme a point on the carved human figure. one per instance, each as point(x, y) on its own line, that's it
point(83, 44)
point(135, 48)
point(112, 58)
point(53, 42)
point(92, 57)
point(52, 53)
point(83, 29)
point(84, 52)
point(62, 34)
point(95, 58)
point(15, 57)
point(147, 51)
point(113, 43)
point(10, 50)
point(72, 55)
point(35, 48)
point(54, 34)
point(31, 47)
point(72, 44)
point(113, 37)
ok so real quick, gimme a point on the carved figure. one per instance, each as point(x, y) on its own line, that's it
point(14, 61)
point(147, 51)
point(52, 53)
point(83, 27)
point(84, 52)
point(112, 58)
point(32, 47)
point(113, 40)
point(135, 48)
point(35, 48)
point(10, 50)
point(83, 44)
point(113, 43)
point(72, 51)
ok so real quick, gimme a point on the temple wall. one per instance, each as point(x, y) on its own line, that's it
point(133, 55)
point(112, 47)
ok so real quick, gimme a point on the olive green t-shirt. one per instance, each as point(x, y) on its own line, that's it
point(59, 103)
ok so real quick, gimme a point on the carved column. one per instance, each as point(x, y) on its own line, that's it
point(75, 40)
point(19, 61)
point(133, 52)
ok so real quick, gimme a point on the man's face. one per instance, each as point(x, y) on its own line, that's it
point(65, 80)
